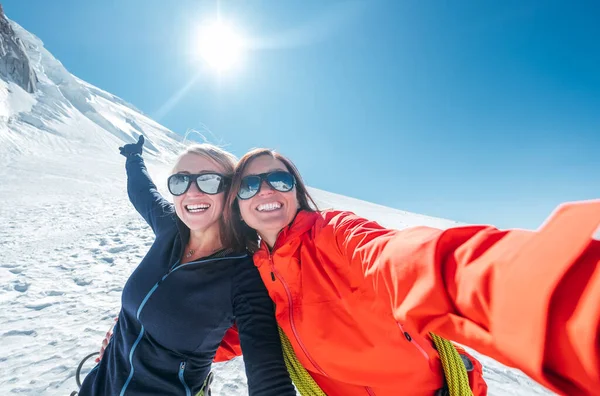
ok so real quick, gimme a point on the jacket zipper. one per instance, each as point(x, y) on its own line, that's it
point(182, 379)
point(414, 342)
point(275, 274)
point(145, 300)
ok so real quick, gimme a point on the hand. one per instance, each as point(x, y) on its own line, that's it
point(106, 340)
point(132, 148)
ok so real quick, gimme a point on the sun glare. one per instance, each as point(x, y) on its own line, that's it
point(219, 45)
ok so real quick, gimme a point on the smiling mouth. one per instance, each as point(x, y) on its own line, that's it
point(269, 207)
point(197, 208)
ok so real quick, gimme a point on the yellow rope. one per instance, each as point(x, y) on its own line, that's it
point(305, 384)
point(205, 390)
point(454, 368)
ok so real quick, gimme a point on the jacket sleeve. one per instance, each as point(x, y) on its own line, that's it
point(529, 299)
point(261, 347)
point(145, 197)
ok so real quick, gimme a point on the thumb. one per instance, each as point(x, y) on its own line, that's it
point(140, 141)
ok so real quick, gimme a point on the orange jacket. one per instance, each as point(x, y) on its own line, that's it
point(347, 290)
point(230, 346)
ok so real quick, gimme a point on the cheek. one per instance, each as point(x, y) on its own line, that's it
point(219, 203)
point(245, 210)
point(292, 199)
point(177, 202)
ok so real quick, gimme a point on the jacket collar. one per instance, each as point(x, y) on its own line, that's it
point(302, 222)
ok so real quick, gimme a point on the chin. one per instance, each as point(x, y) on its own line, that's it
point(194, 225)
point(275, 224)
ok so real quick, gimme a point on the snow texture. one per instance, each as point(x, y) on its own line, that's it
point(69, 238)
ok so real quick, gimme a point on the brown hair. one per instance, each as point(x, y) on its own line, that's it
point(226, 160)
point(245, 235)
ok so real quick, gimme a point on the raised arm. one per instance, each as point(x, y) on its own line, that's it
point(143, 194)
point(531, 300)
point(259, 336)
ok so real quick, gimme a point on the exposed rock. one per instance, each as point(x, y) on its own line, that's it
point(15, 65)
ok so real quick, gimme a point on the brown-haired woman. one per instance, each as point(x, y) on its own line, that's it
point(358, 301)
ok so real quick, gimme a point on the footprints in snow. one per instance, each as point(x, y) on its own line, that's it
point(40, 306)
point(75, 262)
point(20, 333)
point(82, 282)
point(20, 286)
point(115, 245)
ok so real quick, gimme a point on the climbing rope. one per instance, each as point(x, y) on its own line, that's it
point(454, 368)
point(455, 371)
point(205, 390)
point(305, 384)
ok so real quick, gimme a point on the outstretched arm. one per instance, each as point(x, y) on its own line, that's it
point(527, 299)
point(142, 191)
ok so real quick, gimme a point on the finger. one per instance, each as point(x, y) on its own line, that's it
point(140, 140)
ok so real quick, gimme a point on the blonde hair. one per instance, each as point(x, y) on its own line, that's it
point(227, 161)
point(223, 158)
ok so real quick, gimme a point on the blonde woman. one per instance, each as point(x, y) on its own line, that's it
point(194, 283)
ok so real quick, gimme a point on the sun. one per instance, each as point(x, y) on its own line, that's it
point(219, 45)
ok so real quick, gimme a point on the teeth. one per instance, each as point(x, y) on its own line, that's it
point(267, 207)
point(197, 208)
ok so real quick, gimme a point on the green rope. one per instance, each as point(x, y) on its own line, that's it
point(454, 368)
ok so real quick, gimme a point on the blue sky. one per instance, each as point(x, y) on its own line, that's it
point(482, 112)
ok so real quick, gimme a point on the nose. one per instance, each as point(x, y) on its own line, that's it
point(265, 189)
point(194, 190)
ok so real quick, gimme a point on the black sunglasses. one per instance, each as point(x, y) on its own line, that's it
point(280, 180)
point(208, 183)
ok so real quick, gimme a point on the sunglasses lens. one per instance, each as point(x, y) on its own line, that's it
point(281, 181)
point(178, 184)
point(249, 187)
point(209, 183)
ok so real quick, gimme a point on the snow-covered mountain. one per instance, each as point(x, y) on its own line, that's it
point(69, 237)
point(43, 106)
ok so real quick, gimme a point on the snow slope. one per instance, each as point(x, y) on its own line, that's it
point(69, 238)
